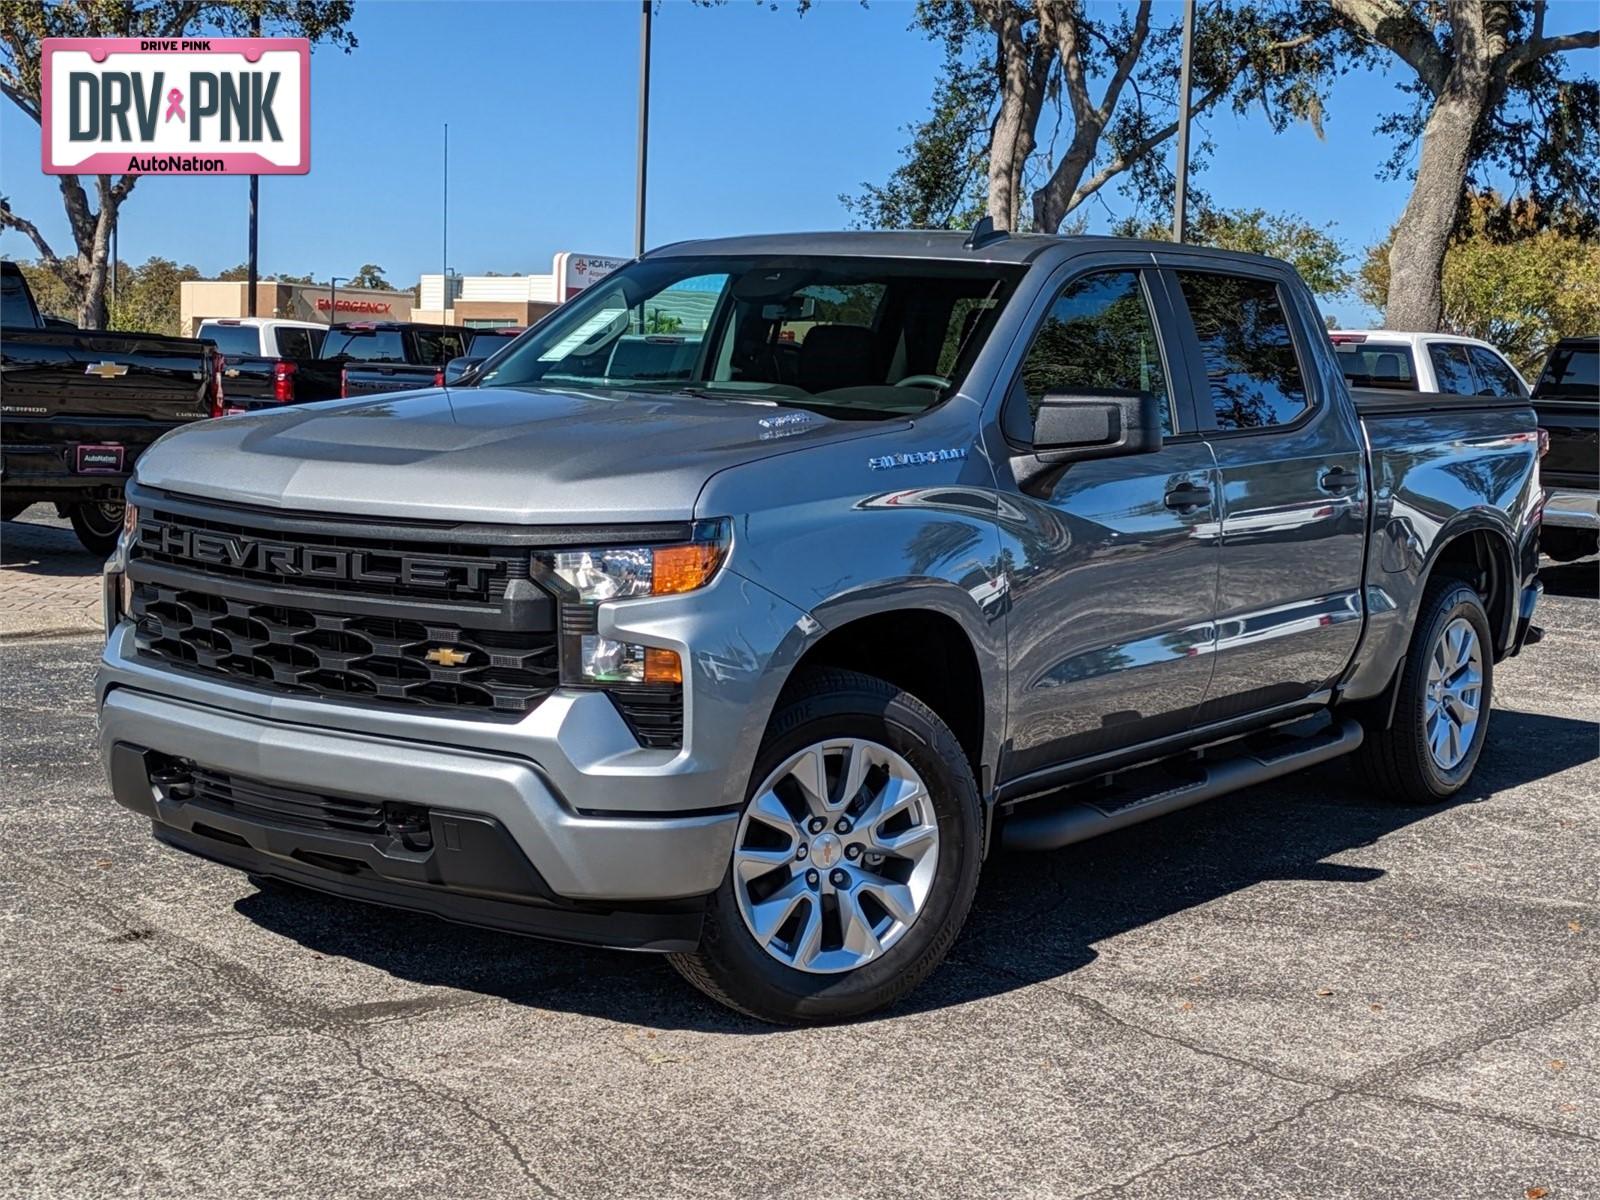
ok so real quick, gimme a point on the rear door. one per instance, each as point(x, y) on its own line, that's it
point(1112, 564)
point(1292, 462)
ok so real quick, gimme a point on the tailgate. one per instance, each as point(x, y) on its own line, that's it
point(74, 377)
point(1574, 458)
point(373, 378)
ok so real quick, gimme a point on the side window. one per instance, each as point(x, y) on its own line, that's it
point(295, 343)
point(1251, 367)
point(1097, 336)
point(1495, 378)
point(1450, 366)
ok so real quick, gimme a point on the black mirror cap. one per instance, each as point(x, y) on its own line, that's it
point(1072, 426)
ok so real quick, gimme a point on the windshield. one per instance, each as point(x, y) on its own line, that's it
point(858, 338)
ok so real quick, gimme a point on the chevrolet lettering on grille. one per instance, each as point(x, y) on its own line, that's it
point(314, 563)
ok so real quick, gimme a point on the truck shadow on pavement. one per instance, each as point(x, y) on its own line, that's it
point(32, 548)
point(1037, 917)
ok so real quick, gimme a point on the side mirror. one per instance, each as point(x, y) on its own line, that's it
point(1074, 426)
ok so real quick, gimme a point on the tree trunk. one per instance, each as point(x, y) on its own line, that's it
point(95, 270)
point(1416, 256)
point(1012, 140)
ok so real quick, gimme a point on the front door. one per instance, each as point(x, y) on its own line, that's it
point(1111, 564)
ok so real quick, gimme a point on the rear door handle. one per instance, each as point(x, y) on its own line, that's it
point(1337, 479)
point(1187, 497)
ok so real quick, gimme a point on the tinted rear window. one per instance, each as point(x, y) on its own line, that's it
point(300, 343)
point(1377, 364)
point(1572, 373)
point(369, 345)
point(1495, 376)
point(1452, 369)
point(15, 308)
point(235, 341)
point(1251, 365)
point(435, 347)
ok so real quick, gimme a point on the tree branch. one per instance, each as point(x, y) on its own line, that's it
point(21, 99)
point(1519, 56)
point(1126, 62)
point(1393, 24)
point(10, 220)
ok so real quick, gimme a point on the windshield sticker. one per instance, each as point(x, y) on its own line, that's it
point(916, 458)
point(581, 334)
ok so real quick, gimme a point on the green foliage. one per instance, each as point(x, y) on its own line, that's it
point(657, 321)
point(1515, 277)
point(370, 275)
point(1272, 53)
point(1321, 259)
point(49, 291)
point(148, 297)
point(241, 274)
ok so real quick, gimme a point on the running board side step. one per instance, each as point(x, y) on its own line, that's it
point(1073, 817)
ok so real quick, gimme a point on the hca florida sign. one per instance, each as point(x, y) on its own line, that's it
point(169, 106)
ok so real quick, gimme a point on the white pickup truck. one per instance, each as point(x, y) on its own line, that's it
point(1425, 362)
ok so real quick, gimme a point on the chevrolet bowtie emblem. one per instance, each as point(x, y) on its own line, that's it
point(446, 657)
point(106, 370)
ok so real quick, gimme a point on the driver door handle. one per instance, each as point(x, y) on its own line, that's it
point(1187, 497)
point(1337, 479)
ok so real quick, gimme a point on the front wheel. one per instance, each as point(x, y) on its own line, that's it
point(1441, 715)
point(855, 861)
point(98, 524)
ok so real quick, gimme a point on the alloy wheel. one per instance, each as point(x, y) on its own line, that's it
point(1454, 699)
point(835, 855)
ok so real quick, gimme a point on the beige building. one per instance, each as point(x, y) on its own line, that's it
point(485, 301)
point(203, 299)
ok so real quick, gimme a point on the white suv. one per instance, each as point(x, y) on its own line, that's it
point(1425, 362)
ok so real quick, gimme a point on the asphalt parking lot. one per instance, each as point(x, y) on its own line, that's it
point(1296, 991)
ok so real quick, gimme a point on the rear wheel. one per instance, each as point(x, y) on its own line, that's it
point(1441, 715)
point(855, 861)
point(98, 524)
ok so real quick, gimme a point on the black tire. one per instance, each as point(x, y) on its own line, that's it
point(732, 968)
point(1396, 762)
point(1568, 545)
point(98, 524)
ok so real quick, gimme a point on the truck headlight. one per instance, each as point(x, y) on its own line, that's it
point(593, 576)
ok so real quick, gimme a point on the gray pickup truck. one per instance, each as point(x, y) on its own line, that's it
point(744, 606)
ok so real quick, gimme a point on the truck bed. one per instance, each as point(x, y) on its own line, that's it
point(1399, 402)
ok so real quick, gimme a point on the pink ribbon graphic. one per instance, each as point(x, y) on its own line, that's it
point(175, 106)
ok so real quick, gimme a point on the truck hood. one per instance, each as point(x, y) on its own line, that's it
point(516, 455)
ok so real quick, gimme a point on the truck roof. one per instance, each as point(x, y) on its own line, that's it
point(949, 244)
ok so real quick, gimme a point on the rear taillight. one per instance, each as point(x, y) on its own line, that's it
point(344, 383)
point(283, 382)
point(218, 365)
point(1544, 442)
point(438, 377)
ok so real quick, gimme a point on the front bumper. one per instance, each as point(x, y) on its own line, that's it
point(605, 825)
point(1572, 508)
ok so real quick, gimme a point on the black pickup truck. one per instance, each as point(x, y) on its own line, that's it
point(391, 356)
point(1567, 399)
point(78, 407)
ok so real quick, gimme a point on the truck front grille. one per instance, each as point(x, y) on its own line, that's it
point(305, 651)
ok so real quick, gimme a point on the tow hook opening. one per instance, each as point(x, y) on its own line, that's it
point(409, 824)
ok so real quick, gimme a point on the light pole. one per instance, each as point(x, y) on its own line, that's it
point(252, 270)
point(333, 296)
point(1181, 199)
point(644, 124)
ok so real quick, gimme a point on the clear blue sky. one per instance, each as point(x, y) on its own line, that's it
point(759, 120)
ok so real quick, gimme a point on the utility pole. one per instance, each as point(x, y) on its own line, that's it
point(1181, 200)
point(255, 199)
point(644, 124)
point(444, 241)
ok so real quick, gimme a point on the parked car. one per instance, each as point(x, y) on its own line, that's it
point(272, 361)
point(1567, 399)
point(1425, 362)
point(480, 345)
point(936, 544)
point(78, 407)
point(391, 356)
